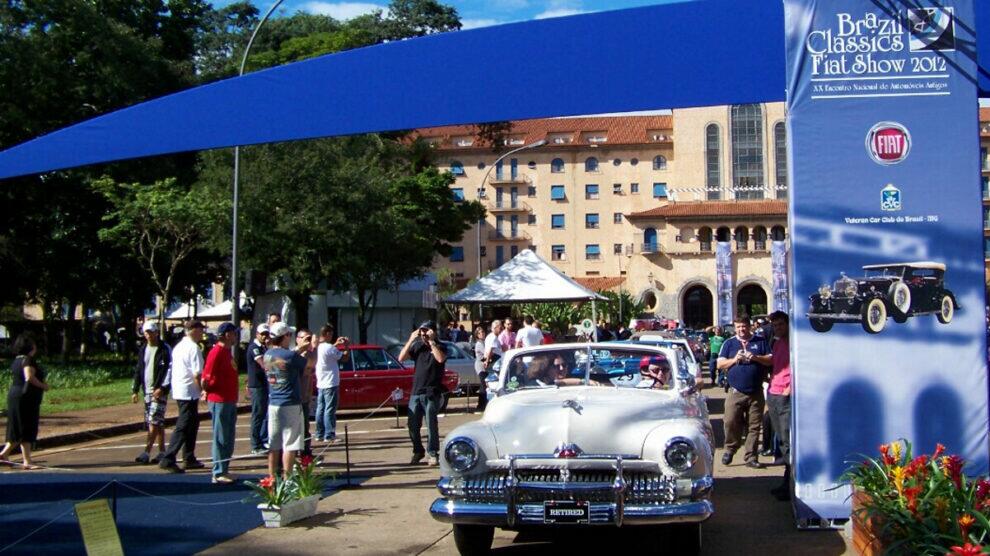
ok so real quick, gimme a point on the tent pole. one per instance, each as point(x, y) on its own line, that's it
point(594, 319)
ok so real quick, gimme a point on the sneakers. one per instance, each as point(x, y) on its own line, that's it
point(193, 464)
point(727, 458)
point(259, 452)
point(158, 458)
point(416, 458)
point(143, 458)
point(171, 467)
point(224, 480)
point(434, 461)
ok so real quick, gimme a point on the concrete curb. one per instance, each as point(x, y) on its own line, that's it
point(113, 430)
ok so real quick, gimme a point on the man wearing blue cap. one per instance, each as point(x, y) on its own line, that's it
point(427, 389)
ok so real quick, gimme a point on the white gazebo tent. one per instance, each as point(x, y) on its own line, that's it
point(526, 278)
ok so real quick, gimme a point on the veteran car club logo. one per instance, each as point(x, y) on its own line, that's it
point(888, 143)
point(890, 198)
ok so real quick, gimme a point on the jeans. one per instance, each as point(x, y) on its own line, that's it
point(428, 405)
point(224, 430)
point(780, 415)
point(259, 418)
point(307, 439)
point(743, 412)
point(482, 391)
point(326, 413)
point(185, 432)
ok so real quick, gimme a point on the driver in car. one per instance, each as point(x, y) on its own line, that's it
point(654, 372)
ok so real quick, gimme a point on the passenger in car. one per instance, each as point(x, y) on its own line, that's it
point(655, 373)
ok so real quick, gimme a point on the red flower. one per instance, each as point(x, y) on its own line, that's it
point(885, 451)
point(952, 465)
point(911, 494)
point(966, 550)
point(939, 450)
point(916, 467)
point(305, 461)
point(268, 482)
point(965, 522)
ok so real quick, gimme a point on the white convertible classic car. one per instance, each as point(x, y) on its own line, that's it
point(582, 434)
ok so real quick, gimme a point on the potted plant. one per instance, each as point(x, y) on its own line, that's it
point(906, 504)
point(286, 500)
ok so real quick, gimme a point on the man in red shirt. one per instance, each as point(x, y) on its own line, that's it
point(779, 398)
point(220, 383)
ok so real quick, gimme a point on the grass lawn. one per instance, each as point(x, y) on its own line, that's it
point(65, 400)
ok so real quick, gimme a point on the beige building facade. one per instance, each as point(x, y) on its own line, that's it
point(637, 202)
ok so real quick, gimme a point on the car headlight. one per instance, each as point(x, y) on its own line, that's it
point(461, 454)
point(852, 290)
point(825, 292)
point(680, 454)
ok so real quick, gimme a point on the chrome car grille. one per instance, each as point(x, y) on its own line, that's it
point(589, 485)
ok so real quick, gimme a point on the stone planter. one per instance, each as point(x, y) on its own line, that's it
point(865, 529)
point(280, 516)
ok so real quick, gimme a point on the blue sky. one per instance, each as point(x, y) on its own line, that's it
point(474, 13)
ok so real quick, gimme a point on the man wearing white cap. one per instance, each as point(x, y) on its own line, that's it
point(151, 378)
point(257, 384)
point(285, 415)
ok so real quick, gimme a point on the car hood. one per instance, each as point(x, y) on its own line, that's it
point(599, 420)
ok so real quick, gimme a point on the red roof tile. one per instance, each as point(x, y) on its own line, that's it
point(600, 283)
point(696, 209)
point(620, 130)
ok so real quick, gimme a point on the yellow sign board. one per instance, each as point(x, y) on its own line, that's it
point(98, 528)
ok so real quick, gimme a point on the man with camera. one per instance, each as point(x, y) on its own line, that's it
point(425, 349)
point(746, 359)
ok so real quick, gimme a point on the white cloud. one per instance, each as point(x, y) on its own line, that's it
point(475, 23)
point(341, 10)
point(558, 12)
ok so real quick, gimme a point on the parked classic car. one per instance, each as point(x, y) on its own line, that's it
point(459, 360)
point(898, 291)
point(576, 435)
point(370, 375)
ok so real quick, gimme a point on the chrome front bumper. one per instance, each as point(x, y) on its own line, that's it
point(618, 514)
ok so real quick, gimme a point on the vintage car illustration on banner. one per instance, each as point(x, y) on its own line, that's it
point(609, 434)
point(898, 291)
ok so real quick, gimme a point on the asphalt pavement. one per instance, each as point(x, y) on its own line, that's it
point(388, 512)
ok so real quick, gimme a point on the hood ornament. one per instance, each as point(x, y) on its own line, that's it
point(567, 450)
point(573, 405)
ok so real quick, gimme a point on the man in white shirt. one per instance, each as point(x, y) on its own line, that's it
point(328, 356)
point(493, 349)
point(187, 367)
point(530, 335)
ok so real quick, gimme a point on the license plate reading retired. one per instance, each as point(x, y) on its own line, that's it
point(566, 511)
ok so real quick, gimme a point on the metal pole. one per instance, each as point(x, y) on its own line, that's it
point(481, 222)
point(235, 297)
point(594, 320)
point(347, 453)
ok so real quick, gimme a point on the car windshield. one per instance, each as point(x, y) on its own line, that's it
point(371, 359)
point(595, 366)
point(885, 272)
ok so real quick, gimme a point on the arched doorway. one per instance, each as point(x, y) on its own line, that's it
point(751, 300)
point(696, 307)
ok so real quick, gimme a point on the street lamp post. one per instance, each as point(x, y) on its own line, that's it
point(235, 294)
point(481, 190)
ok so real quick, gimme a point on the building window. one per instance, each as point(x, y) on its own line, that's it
point(616, 248)
point(659, 190)
point(591, 220)
point(747, 151)
point(531, 165)
point(986, 218)
point(780, 158)
point(458, 193)
point(986, 248)
point(986, 188)
point(457, 254)
point(984, 159)
point(557, 193)
point(531, 191)
point(617, 162)
point(481, 165)
point(705, 239)
point(499, 175)
point(760, 238)
point(591, 191)
point(659, 162)
point(557, 166)
point(634, 188)
point(532, 219)
point(499, 255)
point(456, 168)
point(591, 164)
point(777, 233)
point(633, 161)
point(592, 252)
point(713, 162)
point(742, 238)
point(617, 189)
point(484, 251)
point(513, 251)
point(557, 253)
point(617, 218)
point(557, 221)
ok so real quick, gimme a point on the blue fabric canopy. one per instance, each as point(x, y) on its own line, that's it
point(699, 53)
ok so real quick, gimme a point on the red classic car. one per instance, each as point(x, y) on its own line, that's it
point(370, 375)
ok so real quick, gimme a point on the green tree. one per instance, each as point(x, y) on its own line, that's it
point(166, 225)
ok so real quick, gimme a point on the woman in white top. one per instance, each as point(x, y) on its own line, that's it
point(479, 364)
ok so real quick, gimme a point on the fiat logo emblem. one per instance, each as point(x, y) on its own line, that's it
point(888, 143)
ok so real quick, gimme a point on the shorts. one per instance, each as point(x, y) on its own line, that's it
point(154, 411)
point(285, 427)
